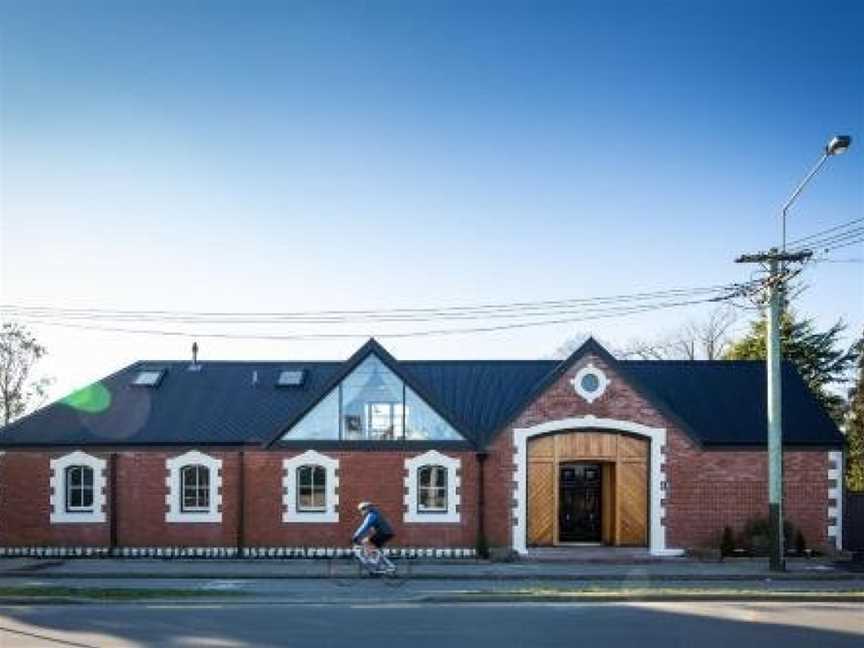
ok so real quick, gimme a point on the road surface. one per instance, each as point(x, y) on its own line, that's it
point(666, 625)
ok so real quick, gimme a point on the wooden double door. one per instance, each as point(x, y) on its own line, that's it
point(586, 486)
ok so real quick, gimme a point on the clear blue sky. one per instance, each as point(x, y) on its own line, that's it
point(303, 155)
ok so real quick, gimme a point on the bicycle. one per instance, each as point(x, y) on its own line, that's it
point(374, 561)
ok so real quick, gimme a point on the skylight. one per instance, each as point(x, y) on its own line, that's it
point(148, 378)
point(291, 378)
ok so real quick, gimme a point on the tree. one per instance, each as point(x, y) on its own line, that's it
point(855, 427)
point(818, 355)
point(19, 353)
point(705, 339)
point(576, 341)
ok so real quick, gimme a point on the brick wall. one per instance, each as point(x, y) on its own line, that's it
point(374, 476)
point(25, 505)
point(141, 503)
point(712, 489)
point(141, 507)
point(707, 489)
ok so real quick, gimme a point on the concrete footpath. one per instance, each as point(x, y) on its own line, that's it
point(668, 570)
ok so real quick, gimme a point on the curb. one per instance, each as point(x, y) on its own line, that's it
point(480, 599)
point(642, 578)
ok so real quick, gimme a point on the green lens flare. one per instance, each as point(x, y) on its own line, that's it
point(92, 399)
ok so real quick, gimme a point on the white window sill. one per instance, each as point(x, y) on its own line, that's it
point(431, 517)
point(193, 518)
point(297, 516)
point(83, 517)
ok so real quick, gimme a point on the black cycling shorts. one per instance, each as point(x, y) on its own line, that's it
point(380, 539)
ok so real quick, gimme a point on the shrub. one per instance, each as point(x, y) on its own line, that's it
point(800, 542)
point(727, 542)
point(756, 537)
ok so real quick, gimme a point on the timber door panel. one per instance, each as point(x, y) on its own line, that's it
point(541, 503)
point(623, 482)
point(632, 479)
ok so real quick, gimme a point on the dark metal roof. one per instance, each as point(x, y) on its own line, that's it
point(718, 403)
point(724, 402)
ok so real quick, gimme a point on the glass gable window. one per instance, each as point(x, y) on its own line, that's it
point(321, 423)
point(372, 398)
point(423, 423)
point(372, 404)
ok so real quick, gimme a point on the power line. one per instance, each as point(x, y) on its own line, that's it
point(829, 240)
point(844, 245)
point(610, 313)
point(484, 311)
point(818, 234)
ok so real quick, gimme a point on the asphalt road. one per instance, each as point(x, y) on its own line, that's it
point(232, 626)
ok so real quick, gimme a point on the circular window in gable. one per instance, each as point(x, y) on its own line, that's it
point(590, 382)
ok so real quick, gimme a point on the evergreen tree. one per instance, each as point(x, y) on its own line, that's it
point(855, 428)
point(818, 355)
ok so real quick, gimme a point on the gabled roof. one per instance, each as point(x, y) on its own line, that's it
point(718, 403)
point(372, 347)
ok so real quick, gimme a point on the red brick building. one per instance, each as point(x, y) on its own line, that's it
point(243, 455)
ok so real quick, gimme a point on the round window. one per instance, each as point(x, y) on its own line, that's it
point(590, 382)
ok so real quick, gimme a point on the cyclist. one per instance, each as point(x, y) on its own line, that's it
point(373, 530)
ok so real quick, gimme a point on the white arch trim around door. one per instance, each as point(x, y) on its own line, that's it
point(657, 437)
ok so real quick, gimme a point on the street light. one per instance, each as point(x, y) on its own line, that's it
point(838, 145)
point(773, 358)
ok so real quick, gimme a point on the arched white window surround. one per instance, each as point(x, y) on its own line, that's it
point(657, 437)
point(453, 466)
point(289, 488)
point(59, 514)
point(174, 483)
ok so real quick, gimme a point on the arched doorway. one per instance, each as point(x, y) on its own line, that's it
point(587, 486)
point(656, 470)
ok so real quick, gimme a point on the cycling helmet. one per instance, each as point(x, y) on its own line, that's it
point(362, 506)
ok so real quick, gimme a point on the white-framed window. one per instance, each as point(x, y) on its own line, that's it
point(194, 484)
point(77, 489)
point(310, 488)
point(432, 486)
point(432, 489)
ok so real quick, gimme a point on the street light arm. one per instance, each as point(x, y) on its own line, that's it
point(794, 197)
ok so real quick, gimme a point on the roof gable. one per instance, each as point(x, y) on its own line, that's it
point(370, 349)
point(593, 347)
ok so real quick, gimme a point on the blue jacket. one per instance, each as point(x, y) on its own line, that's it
point(375, 520)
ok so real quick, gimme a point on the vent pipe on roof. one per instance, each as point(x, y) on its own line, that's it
point(254, 377)
point(194, 366)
